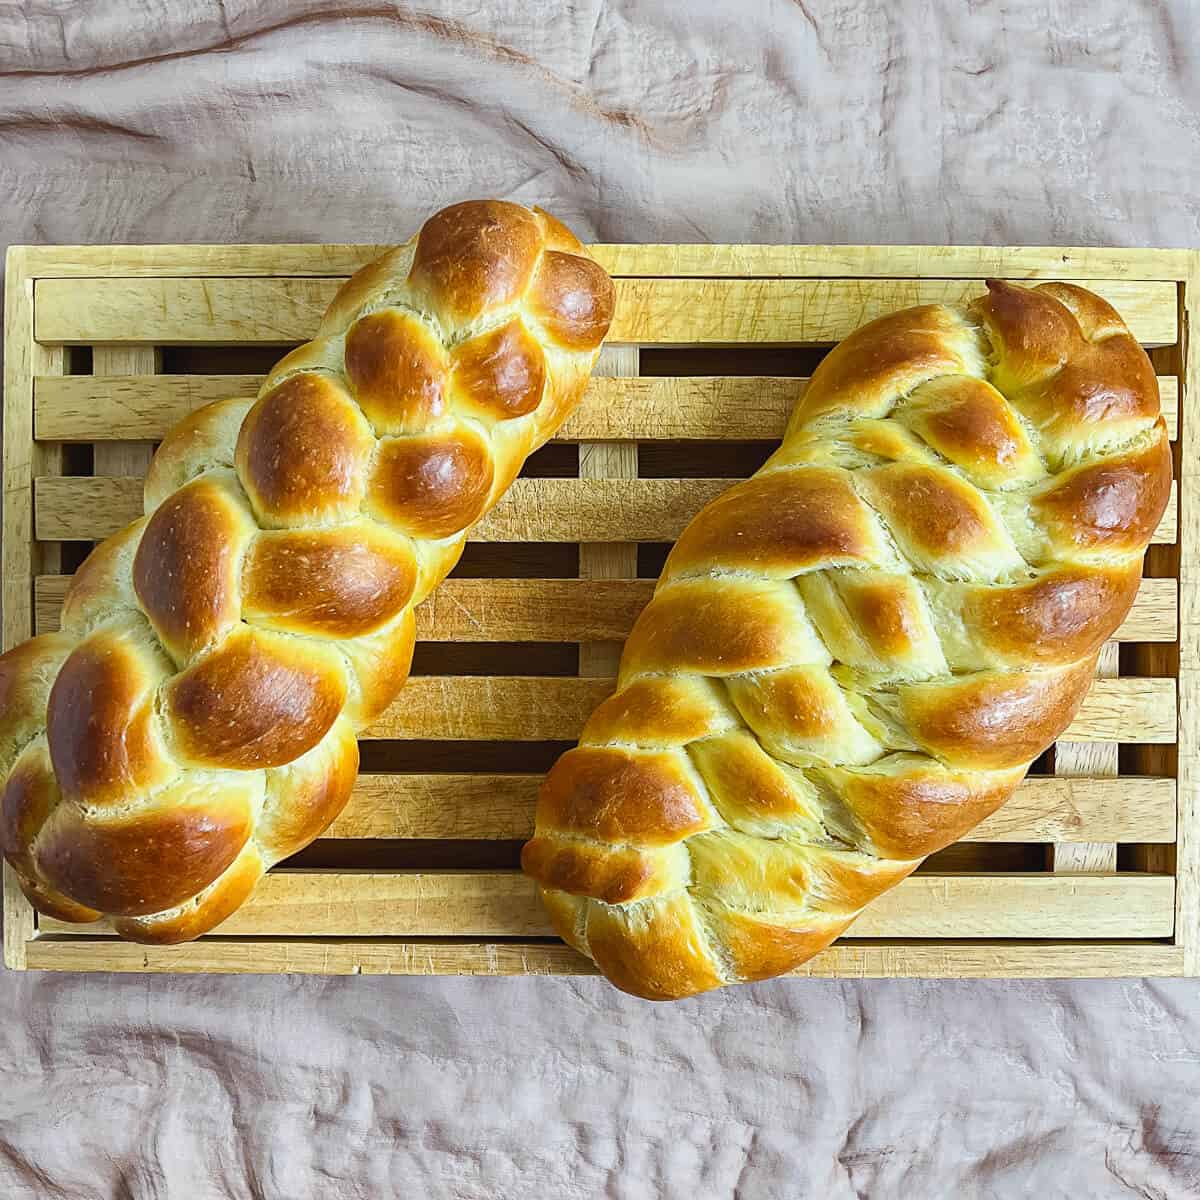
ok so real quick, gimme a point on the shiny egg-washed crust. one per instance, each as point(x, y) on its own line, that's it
point(194, 720)
point(852, 657)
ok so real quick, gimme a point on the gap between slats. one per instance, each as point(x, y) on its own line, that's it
point(86, 508)
point(506, 904)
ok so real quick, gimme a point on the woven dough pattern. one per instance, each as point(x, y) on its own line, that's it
point(194, 721)
point(852, 657)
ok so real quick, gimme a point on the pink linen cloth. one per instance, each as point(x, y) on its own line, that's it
point(932, 121)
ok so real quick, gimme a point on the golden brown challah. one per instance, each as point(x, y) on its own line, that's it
point(852, 657)
point(194, 720)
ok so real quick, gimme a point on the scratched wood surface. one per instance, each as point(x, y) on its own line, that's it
point(89, 508)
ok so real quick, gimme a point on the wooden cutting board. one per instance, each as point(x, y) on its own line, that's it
point(1091, 870)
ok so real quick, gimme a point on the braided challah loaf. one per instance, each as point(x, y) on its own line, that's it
point(852, 657)
point(194, 720)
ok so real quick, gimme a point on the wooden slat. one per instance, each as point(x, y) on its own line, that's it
point(1168, 396)
point(360, 956)
point(608, 560)
point(1090, 759)
point(998, 960)
point(1154, 616)
point(1167, 532)
point(90, 408)
point(285, 258)
point(535, 610)
point(571, 610)
point(563, 610)
point(686, 408)
point(863, 959)
point(84, 508)
point(700, 259)
point(120, 458)
point(537, 708)
point(23, 459)
point(131, 454)
point(20, 558)
point(552, 708)
point(652, 312)
point(1187, 857)
point(492, 707)
point(931, 262)
point(526, 708)
point(464, 807)
point(312, 956)
point(1125, 905)
point(1155, 659)
point(500, 807)
point(506, 904)
point(83, 408)
point(180, 311)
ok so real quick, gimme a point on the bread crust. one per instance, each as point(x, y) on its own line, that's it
point(194, 720)
point(852, 657)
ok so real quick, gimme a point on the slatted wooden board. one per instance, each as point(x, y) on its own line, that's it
point(1091, 870)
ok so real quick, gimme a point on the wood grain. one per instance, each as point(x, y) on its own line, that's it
point(491, 708)
point(23, 459)
point(506, 904)
point(82, 508)
point(572, 610)
point(569, 610)
point(364, 956)
point(1187, 857)
point(700, 259)
point(649, 312)
point(548, 708)
point(20, 558)
point(83, 408)
point(124, 458)
point(608, 560)
point(930, 262)
point(1093, 759)
point(310, 956)
point(500, 807)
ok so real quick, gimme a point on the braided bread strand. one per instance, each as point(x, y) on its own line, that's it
point(852, 657)
point(194, 720)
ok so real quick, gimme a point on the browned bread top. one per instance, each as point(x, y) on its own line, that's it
point(194, 720)
point(852, 657)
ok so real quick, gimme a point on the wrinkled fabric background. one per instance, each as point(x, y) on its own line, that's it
point(818, 120)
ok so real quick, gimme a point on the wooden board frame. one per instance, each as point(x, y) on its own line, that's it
point(978, 909)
